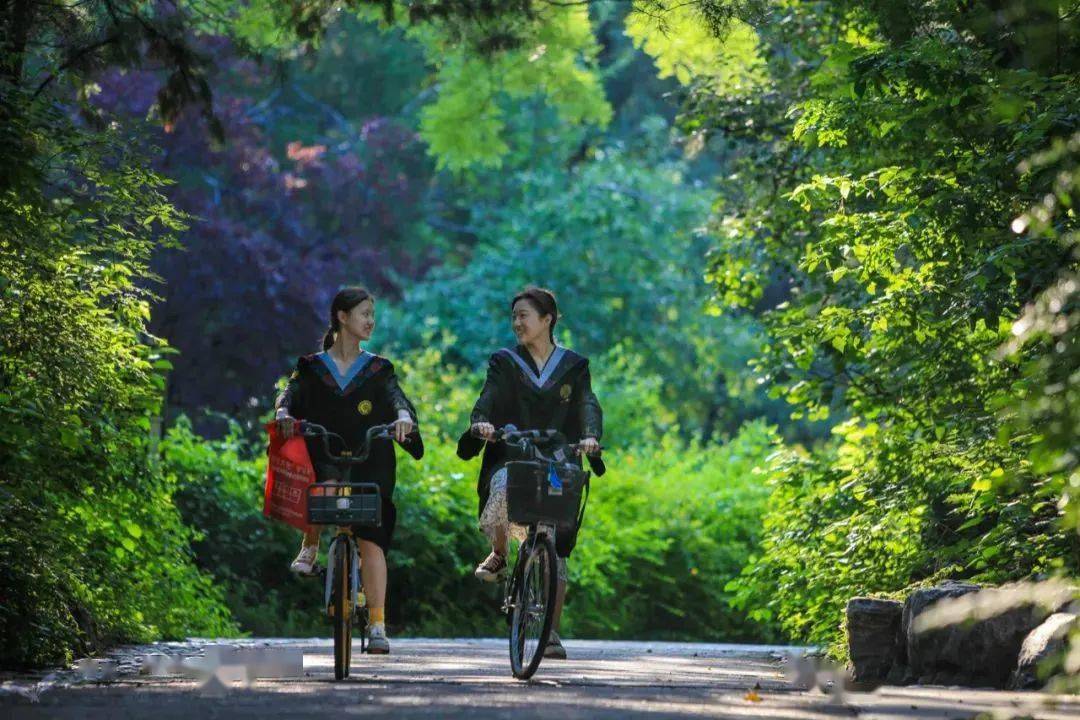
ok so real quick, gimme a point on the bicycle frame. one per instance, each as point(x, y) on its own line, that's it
point(343, 541)
point(344, 546)
point(544, 532)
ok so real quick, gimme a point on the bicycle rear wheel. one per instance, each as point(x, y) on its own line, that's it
point(342, 605)
point(534, 605)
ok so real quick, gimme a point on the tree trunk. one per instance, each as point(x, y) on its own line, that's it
point(15, 26)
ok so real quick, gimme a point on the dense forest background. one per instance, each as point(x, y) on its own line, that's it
point(823, 256)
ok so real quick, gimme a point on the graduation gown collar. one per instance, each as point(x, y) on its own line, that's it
point(363, 368)
point(343, 380)
point(561, 361)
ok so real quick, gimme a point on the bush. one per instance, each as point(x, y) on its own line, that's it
point(665, 531)
point(92, 550)
point(854, 519)
point(220, 497)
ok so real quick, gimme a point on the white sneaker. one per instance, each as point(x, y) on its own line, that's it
point(377, 642)
point(492, 567)
point(304, 564)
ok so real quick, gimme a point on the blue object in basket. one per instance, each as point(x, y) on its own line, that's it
point(553, 477)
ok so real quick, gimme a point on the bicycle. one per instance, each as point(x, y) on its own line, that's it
point(543, 492)
point(347, 505)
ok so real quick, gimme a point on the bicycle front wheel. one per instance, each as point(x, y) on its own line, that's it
point(343, 606)
point(534, 605)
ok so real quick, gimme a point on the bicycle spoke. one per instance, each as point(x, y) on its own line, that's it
point(532, 601)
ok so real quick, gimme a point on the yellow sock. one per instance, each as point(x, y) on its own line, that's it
point(376, 615)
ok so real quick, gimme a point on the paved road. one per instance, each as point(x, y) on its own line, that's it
point(471, 679)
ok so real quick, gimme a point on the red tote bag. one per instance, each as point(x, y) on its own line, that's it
point(288, 475)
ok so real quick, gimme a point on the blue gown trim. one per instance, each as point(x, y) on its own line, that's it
point(343, 380)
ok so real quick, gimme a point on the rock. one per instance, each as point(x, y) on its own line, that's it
point(980, 654)
point(1041, 645)
point(873, 630)
point(899, 672)
point(921, 650)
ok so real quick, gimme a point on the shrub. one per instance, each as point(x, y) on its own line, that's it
point(92, 550)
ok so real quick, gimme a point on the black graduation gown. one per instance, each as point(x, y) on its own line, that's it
point(349, 405)
point(517, 393)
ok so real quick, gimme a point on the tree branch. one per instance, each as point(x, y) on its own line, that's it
point(76, 57)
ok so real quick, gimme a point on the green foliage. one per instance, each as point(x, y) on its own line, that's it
point(894, 239)
point(685, 47)
point(877, 512)
point(393, 66)
point(887, 199)
point(665, 530)
point(82, 380)
point(92, 550)
point(437, 543)
point(617, 239)
point(1046, 334)
point(493, 56)
point(220, 496)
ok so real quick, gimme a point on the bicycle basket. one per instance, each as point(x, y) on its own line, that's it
point(531, 497)
point(344, 504)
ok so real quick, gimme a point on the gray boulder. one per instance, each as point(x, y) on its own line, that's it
point(874, 638)
point(1043, 647)
point(982, 653)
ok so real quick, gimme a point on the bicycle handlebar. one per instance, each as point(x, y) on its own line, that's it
point(375, 432)
point(510, 435)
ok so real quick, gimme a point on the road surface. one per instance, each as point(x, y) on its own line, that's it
point(470, 679)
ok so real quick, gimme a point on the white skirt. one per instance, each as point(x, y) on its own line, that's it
point(496, 516)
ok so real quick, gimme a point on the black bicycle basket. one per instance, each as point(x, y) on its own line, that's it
point(344, 504)
point(532, 495)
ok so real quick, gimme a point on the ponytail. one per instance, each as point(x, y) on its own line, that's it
point(345, 300)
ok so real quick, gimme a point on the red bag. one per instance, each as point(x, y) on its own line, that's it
point(288, 474)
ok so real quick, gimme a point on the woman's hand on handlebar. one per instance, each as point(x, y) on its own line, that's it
point(589, 446)
point(483, 429)
point(403, 426)
point(286, 424)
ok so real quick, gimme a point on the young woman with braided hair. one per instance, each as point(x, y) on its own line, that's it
point(347, 390)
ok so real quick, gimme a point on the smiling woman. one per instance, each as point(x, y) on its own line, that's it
point(348, 390)
point(537, 385)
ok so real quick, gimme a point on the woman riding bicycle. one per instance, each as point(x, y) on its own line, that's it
point(537, 385)
point(347, 390)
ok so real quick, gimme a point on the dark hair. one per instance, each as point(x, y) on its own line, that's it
point(543, 301)
point(345, 300)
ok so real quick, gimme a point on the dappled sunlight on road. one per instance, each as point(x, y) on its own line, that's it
point(471, 678)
